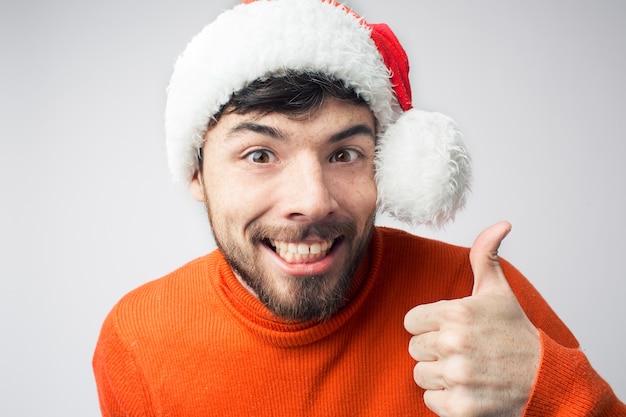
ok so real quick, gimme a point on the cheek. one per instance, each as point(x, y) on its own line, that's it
point(358, 193)
point(235, 196)
point(369, 195)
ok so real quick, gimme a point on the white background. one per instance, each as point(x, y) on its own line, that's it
point(88, 211)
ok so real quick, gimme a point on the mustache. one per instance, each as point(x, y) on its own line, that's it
point(329, 230)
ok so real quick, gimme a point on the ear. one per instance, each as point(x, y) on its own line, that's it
point(196, 186)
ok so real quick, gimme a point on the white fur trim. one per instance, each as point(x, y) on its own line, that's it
point(254, 40)
point(423, 169)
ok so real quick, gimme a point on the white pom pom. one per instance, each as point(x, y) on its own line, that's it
point(423, 169)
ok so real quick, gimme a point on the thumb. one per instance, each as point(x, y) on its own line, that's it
point(488, 275)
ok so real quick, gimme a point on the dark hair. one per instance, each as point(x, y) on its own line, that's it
point(294, 94)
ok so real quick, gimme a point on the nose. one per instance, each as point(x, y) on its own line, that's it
point(308, 194)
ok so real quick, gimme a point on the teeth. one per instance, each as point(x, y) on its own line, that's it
point(292, 248)
point(315, 249)
point(303, 249)
point(293, 252)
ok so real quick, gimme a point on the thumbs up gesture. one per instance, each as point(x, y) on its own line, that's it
point(479, 355)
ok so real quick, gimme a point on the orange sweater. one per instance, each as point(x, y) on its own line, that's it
point(195, 343)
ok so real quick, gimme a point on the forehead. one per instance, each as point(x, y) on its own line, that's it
point(331, 117)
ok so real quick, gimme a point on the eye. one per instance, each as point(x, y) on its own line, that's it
point(345, 155)
point(261, 156)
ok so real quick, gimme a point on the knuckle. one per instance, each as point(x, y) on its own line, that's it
point(450, 342)
point(459, 373)
point(460, 406)
point(447, 403)
point(460, 312)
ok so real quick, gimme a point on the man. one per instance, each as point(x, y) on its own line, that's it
point(291, 120)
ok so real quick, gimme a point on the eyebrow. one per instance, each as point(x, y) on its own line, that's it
point(355, 130)
point(272, 132)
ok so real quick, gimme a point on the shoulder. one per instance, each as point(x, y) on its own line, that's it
point(424, 268)
point(167, 300)
point(397, 236)
point(175, 282)
point(402, 246)
point(437, 270)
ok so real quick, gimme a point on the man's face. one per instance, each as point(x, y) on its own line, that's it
point(291, 202)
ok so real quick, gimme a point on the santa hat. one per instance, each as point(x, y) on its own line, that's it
point(422, 166)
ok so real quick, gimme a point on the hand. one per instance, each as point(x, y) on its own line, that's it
point(477, 356)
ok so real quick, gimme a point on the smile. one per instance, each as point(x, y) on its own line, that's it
point(301, 252)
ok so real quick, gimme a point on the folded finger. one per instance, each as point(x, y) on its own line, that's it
point(423, 347)
point(424, 318)
point(428, 376)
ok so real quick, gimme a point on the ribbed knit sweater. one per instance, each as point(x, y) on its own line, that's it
point(196, 343)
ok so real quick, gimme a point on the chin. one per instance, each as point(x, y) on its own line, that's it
point(303, 298)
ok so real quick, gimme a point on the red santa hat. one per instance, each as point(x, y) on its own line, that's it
point(422, 166)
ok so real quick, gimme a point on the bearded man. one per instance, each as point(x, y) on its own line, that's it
point(292, 121)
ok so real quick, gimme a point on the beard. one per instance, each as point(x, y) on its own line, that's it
point(296, 298)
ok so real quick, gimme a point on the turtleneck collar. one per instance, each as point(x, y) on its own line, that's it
point(257, 319)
